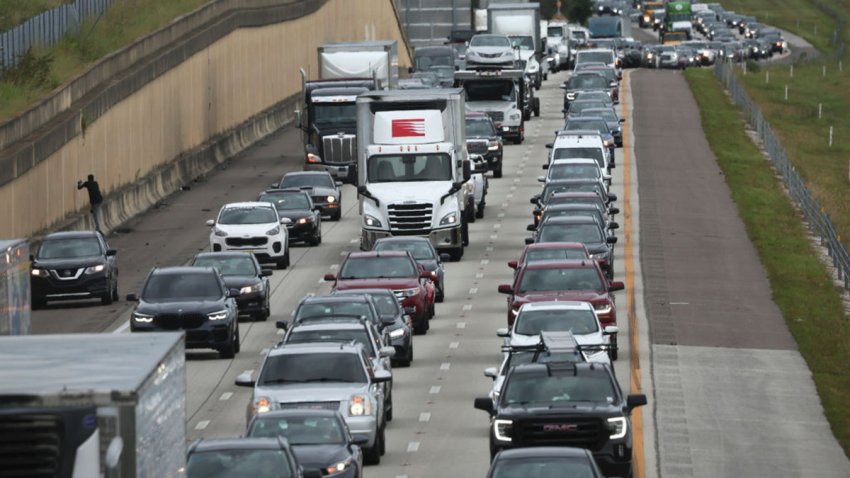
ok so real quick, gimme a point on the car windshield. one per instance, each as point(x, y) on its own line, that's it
point(525, 388)
point(606, 114)
point(490, 90)
point(334, 113)
point(579, 322)
point(330, 309)
point(606, 57)
point(307, 180)
point(313, 367)
point(179, 287)
point(426, 62)
point(420, 250)
point(229, 266)
point(555, 32)
point(359, 336)
point(522, 42)
point(377, 268)
point(409, 167)
point(479, 127)
point(574, 171)
point(565, 279)
point(542, 468)
point(69, 248)
point(489, 40)
point(553, 254)
point(305, 430)
point(386, 304)
point(286, 201)
point(239, 463)
point(596, 153)
point(584, 233)
point(577, 108)
point(247, 215)
point(595, 213)
point(588, 82)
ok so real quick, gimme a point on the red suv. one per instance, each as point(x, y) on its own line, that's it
point(394, 270)
point(580, 280)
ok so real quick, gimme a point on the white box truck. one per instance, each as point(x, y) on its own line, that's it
point(93, 405)
point(412, 166)
point(364, 59)
point(14, 287)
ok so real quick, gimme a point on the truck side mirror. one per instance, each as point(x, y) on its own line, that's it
point(467, 171)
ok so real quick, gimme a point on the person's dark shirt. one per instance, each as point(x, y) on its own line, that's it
point(94, 191)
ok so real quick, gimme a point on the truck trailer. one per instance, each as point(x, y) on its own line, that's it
point(521, 23)
point(363, 59)
point(93, 405)
point(14, 287)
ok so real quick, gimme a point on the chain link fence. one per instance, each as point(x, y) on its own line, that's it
point(47, 29)
point(817, 219)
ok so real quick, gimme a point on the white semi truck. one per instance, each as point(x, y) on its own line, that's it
point(412, 167)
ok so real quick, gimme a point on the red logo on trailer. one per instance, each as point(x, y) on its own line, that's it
point(408, 127)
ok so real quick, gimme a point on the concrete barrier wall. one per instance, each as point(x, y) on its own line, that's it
point(186, 119)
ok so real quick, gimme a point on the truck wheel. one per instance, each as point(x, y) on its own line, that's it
point(106, 299)
point(336, 216)
point(470, 210)
point(479, 213)
point(456, 254)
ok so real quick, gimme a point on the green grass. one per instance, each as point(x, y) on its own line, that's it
point(123, 23)
point(798, 16)
point(15, 12)
point(802, 287)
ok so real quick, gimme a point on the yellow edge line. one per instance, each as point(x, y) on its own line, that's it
point(634, 345)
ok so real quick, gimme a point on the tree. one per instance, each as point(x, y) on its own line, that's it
point(577, 11)
point(548, 8)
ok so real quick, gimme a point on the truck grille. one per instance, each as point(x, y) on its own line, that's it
point(410, 219)
point(339, 148)
point(179, 322)
point(581, 432)
point(246, 241)
point(477, 146)
point(311, 405)
point(496, 116)
point(31, 445)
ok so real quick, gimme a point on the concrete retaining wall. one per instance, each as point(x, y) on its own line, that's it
point(184, 106)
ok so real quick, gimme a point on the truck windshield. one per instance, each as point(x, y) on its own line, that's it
point(522, 42)
point(426, 62)
point(572, 153)
point(540, 388)
point(334, 113)
point(490, 90)
point(409, 167)
point(604, 27)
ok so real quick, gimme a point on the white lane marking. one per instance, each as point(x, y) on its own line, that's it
point(122, 329)
point(479, 275)
point(401, 476)
point(225, 396)
point(467, 307)
point(454, 345)
point(343, 253)
point(321, 280)
point(334, 267)
point(202, 425)
point(501, 214)
point(461, 325)
point(497, 226)
point(488, 249)
point(484, 262)
point(680, 303)
point(355, 240)
point(494, 236)
point(509, 196)
point(265, 351)
point(504, 205)
point(445, 365)
point(434, 390)
point(516, 180)
point(424, 417)
point(473, 290)
point(413, 446)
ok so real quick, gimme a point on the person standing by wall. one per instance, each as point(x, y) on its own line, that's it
point(95, 198)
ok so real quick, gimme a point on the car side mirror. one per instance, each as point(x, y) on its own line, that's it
point(285, 221)
point(622, 120)
point(132, 297)
point(266, 273)
point(635, 400)
point(484, 403)
point(244, 380)
point(529, 240)
point(541, 179)
point(503, 332)
point(387, 320)
point(611, 239)
point(546, 166)
point(457, 67)
point(445, 257)
point(506, 289)
point(550, 145)
point(210, 223)
point(111, 252)
point(382, 376)
point(612, 197)
point(613, 225)
point(491, 372)
point(467, 171)
point(611, 330)
point(359, 440)
point(613, 210)
point(615, 286)
point(530, 227)
point(387, 352)
point(535, 199)
point(32, 258)
point(274, 185)
point(563, 87)
point(281, 324)
point(233, 293)
point(338, 184)
point(410, 69)
point(330, 277)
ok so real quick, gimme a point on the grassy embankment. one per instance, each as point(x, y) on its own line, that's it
point(802, 287)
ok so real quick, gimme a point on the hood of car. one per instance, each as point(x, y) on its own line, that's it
point(489, 50)
point(238, 282)
point(577, 295)
point(74, 263)
point(295, 214)
point(246, 230)
point(180, 307)
point(321, 191)
point(311, 392)
point(320, 456)
point(394, 283)
point(558, 409)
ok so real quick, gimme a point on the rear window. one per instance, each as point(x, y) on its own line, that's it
point(344, 336)
point(584, 233)
point(566, 279)
point(553, 254)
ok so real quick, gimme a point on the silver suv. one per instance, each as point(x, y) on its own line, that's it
point(328, 376)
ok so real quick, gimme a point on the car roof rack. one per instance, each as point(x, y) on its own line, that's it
point(558, 347)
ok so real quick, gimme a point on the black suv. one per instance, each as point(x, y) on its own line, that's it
point(321, 187)
point(242, 271)
point(74, 265)
point(483, 138)
point(564, 404)
point(193, 299)
point(296, 204)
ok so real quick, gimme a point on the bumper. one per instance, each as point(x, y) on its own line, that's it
point(401, 346)
point(613, 466)
point(299, 233)
point(251, 303)
point(446, 238)
point(366, 426)
point(82, 288)
point(207, 336)
point(511, 131)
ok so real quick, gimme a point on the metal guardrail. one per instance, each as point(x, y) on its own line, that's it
point(817, 219)
point(47, 29)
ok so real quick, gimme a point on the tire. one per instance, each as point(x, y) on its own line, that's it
point(284, 263)
point(497, 173)
point(420, 326)
point(456, 254)
point(464, 233)
point(535, 105)
point(106, 299)
point(115, 296)
point(470, 212)
point(38, 303)
point(479, 213)
point(440, 296)
point(389, 414)
point(229, 350)
point(372, 456)
point(614, 352)
point(336, 216)
point(383, 441)
point(238, 342)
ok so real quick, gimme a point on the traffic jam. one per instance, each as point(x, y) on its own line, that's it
point(422, 150)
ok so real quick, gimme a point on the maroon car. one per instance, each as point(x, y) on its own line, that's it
point(394, 270)
point(580, 280)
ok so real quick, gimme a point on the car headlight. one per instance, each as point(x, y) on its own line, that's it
point(273, 232)
point(515, 311)
point(599, 255)
point(493, 146)
point(649, 55)
point(607, 143)
point(142, 318)
point(571, 96)
point(398, 333)
point(304, 220)
point(371, 221)
point(313, 158)
point(514, 116)
point(339, 467)
point(412, 292)
point(263, 405)
point(449, 219)
point(95, 269)
point(331, 199)
point(618, 427)
point(217, 315)
point(503, 429)
point(532, 68)
point(218, 232)
point(39, 273)
point(603, 308)
point(359, 406)
point(248, 289)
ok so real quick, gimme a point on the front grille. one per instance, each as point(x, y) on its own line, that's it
point(410, 219)
point(31, 445)
point(339, 148)
point(477, 146)
point(311, 405)
point(179, 321)
point(246, 241)
point(496, 116)
point(581, 432)
point(490, 55)
point(319, 199)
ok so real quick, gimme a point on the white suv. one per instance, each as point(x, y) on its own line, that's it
point(581, 144)
point(574, 168)
point(252, 227)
